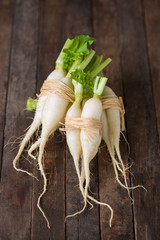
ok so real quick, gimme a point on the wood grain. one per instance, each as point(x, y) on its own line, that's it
point(16, 192)
point(51, 40)
point(106, 31)
point(31, 35)
point(6, 15)
point(141, 118)
point(152, 22)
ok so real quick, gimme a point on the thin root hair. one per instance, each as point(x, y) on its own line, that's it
point(129, 149)
point(104, 204)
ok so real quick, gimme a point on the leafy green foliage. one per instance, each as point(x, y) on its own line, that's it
point(84, 78)
point(77, 50)
point(31, 104)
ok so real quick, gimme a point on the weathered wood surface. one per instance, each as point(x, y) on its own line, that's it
point(31, 36)
point(141, 118)
point(16, 189)
point(6, 17)
point(51, 37)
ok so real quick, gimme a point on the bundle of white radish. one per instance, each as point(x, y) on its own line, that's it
point(90, 117)
point(52, 104)
point(84, 130)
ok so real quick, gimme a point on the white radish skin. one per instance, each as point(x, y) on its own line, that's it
point(105, 133)
point(114, 122)
point(105, 137)
point(55, 75)
point(91, 109)
point(73, 136)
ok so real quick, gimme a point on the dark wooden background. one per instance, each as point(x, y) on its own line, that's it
point(32, 33)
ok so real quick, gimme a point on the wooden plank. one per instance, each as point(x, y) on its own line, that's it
point(51, 40)
point(84, 226)
point(152, 23)
point(107, 36)
point(141, 119)
point(89, 223)
point(16, 194)
point(5, 43)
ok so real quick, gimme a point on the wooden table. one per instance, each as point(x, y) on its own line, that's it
point(32, 33)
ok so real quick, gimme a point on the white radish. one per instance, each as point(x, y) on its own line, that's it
point(90, 142)
point(90, 145)
point(73, 136)
point(111, 134)
point(37, 143)
point(114, 121)
point(55, 75)
point(52, 105)
point(92, 109)
point(53, 112)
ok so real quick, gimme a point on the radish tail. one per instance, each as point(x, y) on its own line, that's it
point(39, 198)
point(76, 162)
point(103, 204)
point(33, 147)
point(81, 182)
point(27, 137)
point(44, 138)
point(79, 212)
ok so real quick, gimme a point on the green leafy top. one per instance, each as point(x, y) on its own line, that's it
point(77, 50)
point(86, 76)
point(31, 104)
point(79, 45)
point(83, 78)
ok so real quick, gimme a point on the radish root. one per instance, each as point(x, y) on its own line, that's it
point(33, 147)
point(86, 196)
point(43, 192)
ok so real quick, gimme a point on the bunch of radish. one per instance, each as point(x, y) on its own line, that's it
point(75, 94)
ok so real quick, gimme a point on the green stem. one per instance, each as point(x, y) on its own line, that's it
point(59, 61)
point(87, 60)
point(93, 63)
point(100, 67)
point(78, 90)
point(74, 66)
point(99, 85)
point(81, 64)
